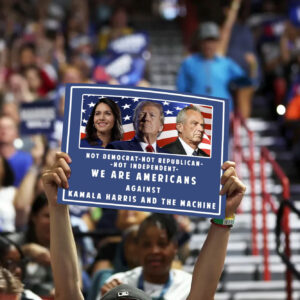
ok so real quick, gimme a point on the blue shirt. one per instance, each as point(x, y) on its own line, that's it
point(20, 162)
point(208, 77)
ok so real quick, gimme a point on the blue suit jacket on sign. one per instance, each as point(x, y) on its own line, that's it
point(132, 145)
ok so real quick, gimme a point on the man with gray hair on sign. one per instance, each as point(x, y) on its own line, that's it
point(190, 128)
point(148, 123)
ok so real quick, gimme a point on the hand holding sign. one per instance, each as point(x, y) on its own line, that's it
point(60, 173)
point(121, 174)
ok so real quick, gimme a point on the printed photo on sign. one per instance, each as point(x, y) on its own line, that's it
point(145, 149)
point(172, 127)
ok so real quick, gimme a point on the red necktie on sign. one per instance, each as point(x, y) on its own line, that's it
point(149, 148)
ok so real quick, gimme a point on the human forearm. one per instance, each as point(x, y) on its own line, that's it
point(210, 264)
point(65, 269)
point(211, 259)
point(225, 32)
point(24, 196)
point(62, 245)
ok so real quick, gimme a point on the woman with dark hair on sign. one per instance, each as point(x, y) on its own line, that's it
point(104, 125)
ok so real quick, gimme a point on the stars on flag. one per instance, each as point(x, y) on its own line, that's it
point(126, 106)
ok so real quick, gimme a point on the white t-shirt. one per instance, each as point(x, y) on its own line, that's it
point(179, 288)
point(7, 209)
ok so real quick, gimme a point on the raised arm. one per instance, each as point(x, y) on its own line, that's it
point(62, 245)
point(211, 259)
point(226, 28)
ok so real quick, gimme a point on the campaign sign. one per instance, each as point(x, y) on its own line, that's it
point(134, 44)
point(37, 117)
point(127, 69)
point(123, 176)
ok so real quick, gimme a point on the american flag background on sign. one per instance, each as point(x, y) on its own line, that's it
point(169, 134)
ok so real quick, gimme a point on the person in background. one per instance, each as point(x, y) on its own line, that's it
point(237, 42)
point(12, 259)
point(10, 286)
point(35, 243)
point(20, 161)
point(118, 27)
point(157, 247)
point(104, 125)
point(207, 73)
point(7, 196)
point(208, 267)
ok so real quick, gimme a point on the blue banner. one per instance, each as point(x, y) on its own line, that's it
point(37, 117)
point(134, 44)
point(125, 177)
point(124, 60)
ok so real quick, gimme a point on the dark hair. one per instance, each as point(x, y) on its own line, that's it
point(162, 221)
point(9, 177)
point(29, 46)
point(117, 131)
point(5, 244)
point(25, 69)
point(39, 203)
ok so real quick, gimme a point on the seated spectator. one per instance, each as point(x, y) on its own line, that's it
point(10, 286)
point(155, 275)
point(28, 57)
point(35, 243)
point(7, 196)
point(36, 91)
point(118, 27)
point(30, 187)
point(112, 251)
point(123, 259)
point(19, 161)
point(13, 260)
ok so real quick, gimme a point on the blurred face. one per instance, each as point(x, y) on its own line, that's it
point(119, 19)
point(149, 122)
point(209, 48)
point(104, 118)
point(11, 109)
point(8, 130)
point(156, 252)
point(12, 262)
point(128, 218)
point(130, 250)
point(72, 75)
point(192, 128)
point(27, 57)
point(33, 79)
point(42, 226)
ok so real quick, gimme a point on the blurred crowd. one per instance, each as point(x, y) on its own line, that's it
point(47, 44)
